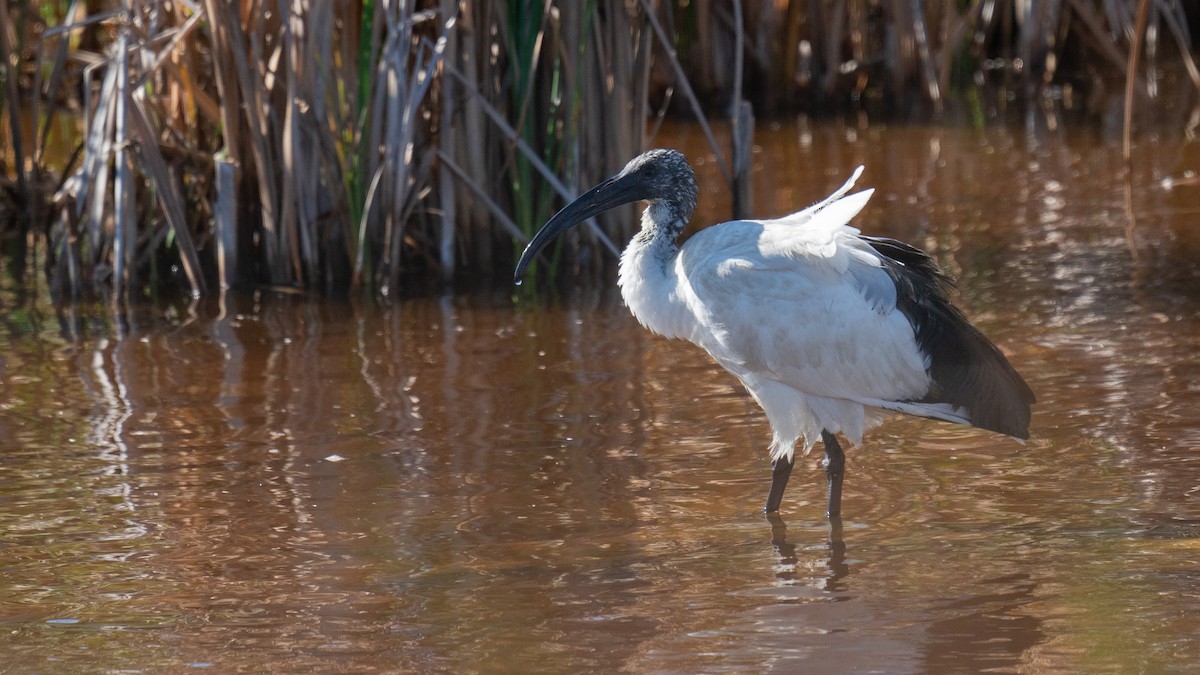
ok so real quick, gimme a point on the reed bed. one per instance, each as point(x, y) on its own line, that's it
point(341, 145)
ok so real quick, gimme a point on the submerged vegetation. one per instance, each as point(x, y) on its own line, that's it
point(349, 144)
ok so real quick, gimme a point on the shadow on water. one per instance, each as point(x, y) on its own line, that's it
point(461, 484)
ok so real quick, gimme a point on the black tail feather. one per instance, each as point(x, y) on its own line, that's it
point(967, 369)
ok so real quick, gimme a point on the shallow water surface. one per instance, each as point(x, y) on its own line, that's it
point(467, 484)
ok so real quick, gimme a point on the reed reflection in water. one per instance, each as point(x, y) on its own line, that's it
point(281, 483)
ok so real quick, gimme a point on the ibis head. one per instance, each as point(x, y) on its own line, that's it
point(662, 177)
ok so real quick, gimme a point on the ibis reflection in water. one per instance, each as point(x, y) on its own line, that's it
point(827, 328)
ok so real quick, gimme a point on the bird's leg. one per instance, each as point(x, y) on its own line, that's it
point(780, 472)
point(835, 468)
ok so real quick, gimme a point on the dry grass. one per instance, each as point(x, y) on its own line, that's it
point(346, 144)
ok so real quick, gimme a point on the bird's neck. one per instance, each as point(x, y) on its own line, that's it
point(647, 278)
point(654, 247)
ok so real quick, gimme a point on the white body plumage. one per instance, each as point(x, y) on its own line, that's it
point(798, 308)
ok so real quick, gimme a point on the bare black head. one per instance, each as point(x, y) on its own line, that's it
point(662, 177)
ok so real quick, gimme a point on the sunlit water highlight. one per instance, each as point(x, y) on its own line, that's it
point(465, 484)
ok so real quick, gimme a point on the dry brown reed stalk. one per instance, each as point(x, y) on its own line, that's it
point(28, 66)
point(1135, 51)
point(398, 173)
point(562, 105)
point(335, 144)
point(125, 150)
point(910, 58)
point(12, 97)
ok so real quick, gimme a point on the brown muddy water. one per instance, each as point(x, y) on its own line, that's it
point(464, 484)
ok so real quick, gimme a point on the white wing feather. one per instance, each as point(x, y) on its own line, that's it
point(802, 312)
point(801, 216)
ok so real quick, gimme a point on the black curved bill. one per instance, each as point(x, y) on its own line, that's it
point(618, 190)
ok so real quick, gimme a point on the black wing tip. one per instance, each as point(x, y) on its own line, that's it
point(973, 373)
point(967, 368)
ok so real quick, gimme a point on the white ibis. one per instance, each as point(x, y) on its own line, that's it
point(827, 328)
